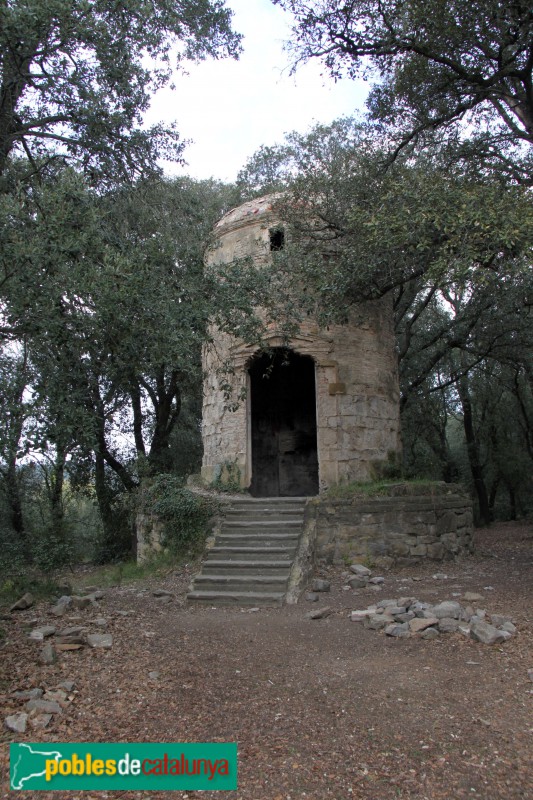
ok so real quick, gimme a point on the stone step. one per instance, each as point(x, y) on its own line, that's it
point(253, 553)
point(256, 538)
point(262, 524)
point(247, 553)
point(222, 567)
point(238, 598)
point(241, 583)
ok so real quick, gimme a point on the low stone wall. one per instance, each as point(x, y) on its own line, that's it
point(410, 523)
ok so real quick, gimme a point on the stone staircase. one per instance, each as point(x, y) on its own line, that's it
point(251, 560)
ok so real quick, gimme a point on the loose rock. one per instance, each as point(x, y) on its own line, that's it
point(319, 613)
point(44, 706)
point(319, 585)
point(377, 581)
point(360, 569)
point(24, 602)
point(472, 597)
point(40, 721)
point(48, 654)
point(430, 633)
point(42, 633)
point(312, 597)
point(162, 593)
point(419, 624)
point(103, 640)
point(482, 632)
point(358, 582)
point(17, 722)
point(449, 608)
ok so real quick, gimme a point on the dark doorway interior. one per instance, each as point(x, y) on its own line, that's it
point(283, 403)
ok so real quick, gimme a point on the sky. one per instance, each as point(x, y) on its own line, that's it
point(230, 108)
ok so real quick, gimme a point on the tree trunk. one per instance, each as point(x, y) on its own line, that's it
point(473, 451)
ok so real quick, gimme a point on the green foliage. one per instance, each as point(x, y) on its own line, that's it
point(433, 66)
point(381, 488)
point(185, 514)
point(76, 77)
point(228, 478)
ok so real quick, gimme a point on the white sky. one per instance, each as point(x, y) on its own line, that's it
point(230, 108)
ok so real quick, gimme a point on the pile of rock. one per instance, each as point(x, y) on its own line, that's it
point(39, 707)
point(404, 617)
point(362, 578)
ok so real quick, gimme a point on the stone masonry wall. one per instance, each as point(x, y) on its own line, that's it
point(393, 530)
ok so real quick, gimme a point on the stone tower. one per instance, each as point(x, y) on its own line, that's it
point(319, 410)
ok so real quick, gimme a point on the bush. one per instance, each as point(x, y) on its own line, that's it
point(185, 514)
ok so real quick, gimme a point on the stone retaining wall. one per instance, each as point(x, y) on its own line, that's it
point(402, 529)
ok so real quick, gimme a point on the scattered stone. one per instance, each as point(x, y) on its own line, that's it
point(416, 578)
point(24, 602)
point(48, 654)
point(385, 603)
point(83, 602)
point(358, 582)
point(68, 686)
point(360, 569)
point(530, 674)
point(449, 608)
point(90, 589)
point(508, 627)
point(430, 633)
point(375, 587)
point(154, 675)
point(419, 624)
point(472, 597)
point(406, 601)
point(17, 722)
point(73, 630)
point(319, 613)
point(42, 633)
point(59, 695)
point(361, 615)
point(376, 622)
point(377, 581)
point(101, 622)
point(312, 597)
point(162, 593)
point(407, 617)
point(30, 694)
point(71, 638)
point(481, 613)
point(319, 585)
point(40, 721)
point(66, 646)
point(498, 620)
point(464, 629)
point(44, 706)
point(124, 613)
point(448, 625)
point(399, 631)
point(467, 614)
point(61, 606)
point(482, 632)
point(164, 599)
point(98, 595)
point(103, 640)
point(440, 576)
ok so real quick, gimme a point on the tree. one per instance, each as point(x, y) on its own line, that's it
point(76, 76)
point(436, 63)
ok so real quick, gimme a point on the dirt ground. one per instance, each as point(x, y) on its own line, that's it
point(320, 709)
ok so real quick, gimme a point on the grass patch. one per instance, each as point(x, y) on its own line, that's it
point(129, 571)
point(382, 488)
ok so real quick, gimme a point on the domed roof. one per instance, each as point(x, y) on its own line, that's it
point(248, 213)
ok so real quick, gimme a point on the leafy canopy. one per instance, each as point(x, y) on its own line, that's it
point(76, 76)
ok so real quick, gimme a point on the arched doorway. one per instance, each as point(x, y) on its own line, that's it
point(283, 425)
